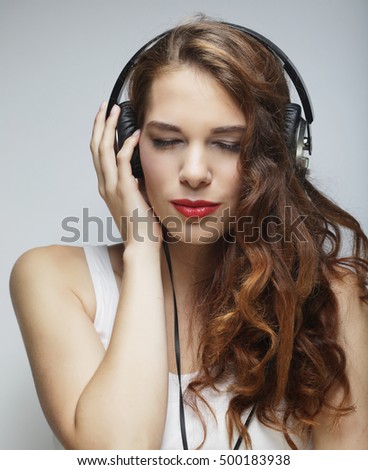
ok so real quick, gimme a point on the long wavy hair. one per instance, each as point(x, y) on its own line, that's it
point(270, 315)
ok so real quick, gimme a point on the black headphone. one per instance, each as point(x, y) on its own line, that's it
point(297, 129)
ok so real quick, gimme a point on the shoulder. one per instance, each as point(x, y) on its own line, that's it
point(351, 432)
point(56, 260)
point(350, 307)
point(50, 255)
point(56, 266)
point(53, 298)
point(352, 314)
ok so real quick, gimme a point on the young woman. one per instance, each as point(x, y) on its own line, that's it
point(273, 322)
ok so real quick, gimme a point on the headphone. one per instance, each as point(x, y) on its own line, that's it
point(297, 129)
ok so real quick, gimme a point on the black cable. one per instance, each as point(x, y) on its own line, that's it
point(246, 424)
point(177, 349)
point(178, 367)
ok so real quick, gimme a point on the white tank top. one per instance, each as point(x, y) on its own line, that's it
point(107, 295)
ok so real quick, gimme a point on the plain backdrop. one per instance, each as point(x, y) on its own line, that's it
point(59, 60)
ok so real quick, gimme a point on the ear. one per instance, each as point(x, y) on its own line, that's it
point(125, 127)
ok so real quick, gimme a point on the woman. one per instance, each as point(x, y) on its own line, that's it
point(272, 319)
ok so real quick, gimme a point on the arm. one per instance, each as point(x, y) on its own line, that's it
point(126, 398)
point(352, 430)
point(92, 399)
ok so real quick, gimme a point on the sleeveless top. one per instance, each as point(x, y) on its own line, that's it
point(263, 438)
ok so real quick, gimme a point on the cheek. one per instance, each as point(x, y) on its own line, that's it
point(231, 179)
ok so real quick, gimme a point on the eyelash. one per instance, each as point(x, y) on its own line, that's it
point(167, 144)
point(232, 148)
point(162, 143)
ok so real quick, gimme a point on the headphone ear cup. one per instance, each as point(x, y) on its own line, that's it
point(295, 128)
point(125, 127)
point(292, 121)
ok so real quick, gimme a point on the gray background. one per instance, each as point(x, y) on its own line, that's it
point(59, 60)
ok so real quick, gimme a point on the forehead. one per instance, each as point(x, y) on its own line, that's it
point(185, 90)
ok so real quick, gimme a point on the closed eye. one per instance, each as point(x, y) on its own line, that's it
point(233, 147)
point(165, 143)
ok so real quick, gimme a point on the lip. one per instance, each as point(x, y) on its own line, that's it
point(197, 208)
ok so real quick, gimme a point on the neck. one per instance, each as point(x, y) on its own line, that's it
point(190, 263)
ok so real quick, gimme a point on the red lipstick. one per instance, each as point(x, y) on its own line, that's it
point(198, 208)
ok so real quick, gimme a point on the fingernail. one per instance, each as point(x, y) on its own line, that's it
point(136, 133)
point(103, 105)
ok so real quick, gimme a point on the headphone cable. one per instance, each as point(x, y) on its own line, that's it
point(178, 366)
point(177, 349)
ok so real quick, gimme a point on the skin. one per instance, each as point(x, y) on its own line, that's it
point(95, 399)
point(201, 154)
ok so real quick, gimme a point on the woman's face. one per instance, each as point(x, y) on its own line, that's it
point(189, 148)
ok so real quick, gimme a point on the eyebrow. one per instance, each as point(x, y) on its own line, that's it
point(217, 130)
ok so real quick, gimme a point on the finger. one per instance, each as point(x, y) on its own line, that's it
point(98, 128)
point(97, 131)
point(108, 134)
point(125, 155)
point(106, 150)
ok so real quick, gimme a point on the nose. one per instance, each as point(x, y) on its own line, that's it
point(195, 170)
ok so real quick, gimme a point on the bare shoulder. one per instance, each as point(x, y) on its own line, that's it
point(56, 257)
point(61, 265)
point(53, 298)
point(352, 312)
point(348, 295)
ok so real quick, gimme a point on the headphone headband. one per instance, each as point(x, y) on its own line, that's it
point(120, 82)
point(289, 68)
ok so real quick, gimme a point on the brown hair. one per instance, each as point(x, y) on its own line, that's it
point(269, 310)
